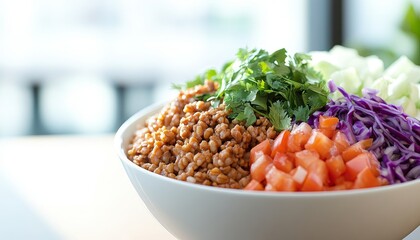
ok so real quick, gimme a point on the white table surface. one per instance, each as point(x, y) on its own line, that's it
point(69, 188)
point(72, 187)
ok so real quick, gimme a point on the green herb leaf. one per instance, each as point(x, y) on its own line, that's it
point(250, 115)
point(210, 74)
point(247, 114)
point(278, 117)
point(411, 22)
point(278, 56)
point(199, 80)
point(203, 97)
point(301, 113)
point(281, 88)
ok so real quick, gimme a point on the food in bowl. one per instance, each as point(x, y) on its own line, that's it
point(213, 132)
point(195, 211)
point(192, 141)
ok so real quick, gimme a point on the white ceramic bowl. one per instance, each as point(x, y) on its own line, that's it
point(191, 211)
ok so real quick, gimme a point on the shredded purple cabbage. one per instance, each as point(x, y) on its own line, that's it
point(396, 136)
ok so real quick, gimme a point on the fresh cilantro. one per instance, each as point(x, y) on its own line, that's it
point(301, 113)
point(278, 116)
point(203, 97)
point(277, 86)
point(210, 74)
point(199, 80)
point(249, 114)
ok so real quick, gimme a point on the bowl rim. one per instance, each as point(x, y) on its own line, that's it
point(118, 144)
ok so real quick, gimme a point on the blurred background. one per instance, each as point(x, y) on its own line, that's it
point(83, 67)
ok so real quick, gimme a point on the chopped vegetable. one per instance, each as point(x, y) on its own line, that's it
point(282, 162)
point(366, 179)
point(356, 149)
point(263, 147)
point(258, 168)
point(317, 166)
point(359, 163)
point(336, 167)
point(280, 143)
point(395, 135)
point(305, 158)
point(398, 84)
point(254, 185)
point(317, 177)
point(320, 143)
point(280, 181)
point(299, 136)
point(351, 141)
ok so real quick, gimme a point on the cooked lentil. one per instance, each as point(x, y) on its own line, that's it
point(192, 141)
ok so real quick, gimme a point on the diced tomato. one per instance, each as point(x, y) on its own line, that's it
point(282, 162)
point(320, 168)
point(342, 186)
point(255, 156)
point(263, 146)
point(313, 182)
point(254, 185)
point(280, 181)
point(299, 175)
point(340, 141)
point(327, 132)
point(366, 179)
point(293, 171)
point(280, 143)
point(339, 187)
point(268, 167)
point(298, 137)
point(334, 151)
point(320, 143)
point(270, 188)
point(359, 163)
point(292, 157)
point(339, 180)
point(258, 168)
point(374, 163)
point(305, 158)
point(366, 143)
point(348, 184)
point(356, 149)
point(383, 181)
point(317, 177)
point(327, 122)
point(336, 166)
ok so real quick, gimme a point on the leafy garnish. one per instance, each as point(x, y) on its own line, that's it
point(276, 86)
point(301, 113)
point(278, 116)
point(210, 74)
point(247, 115)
